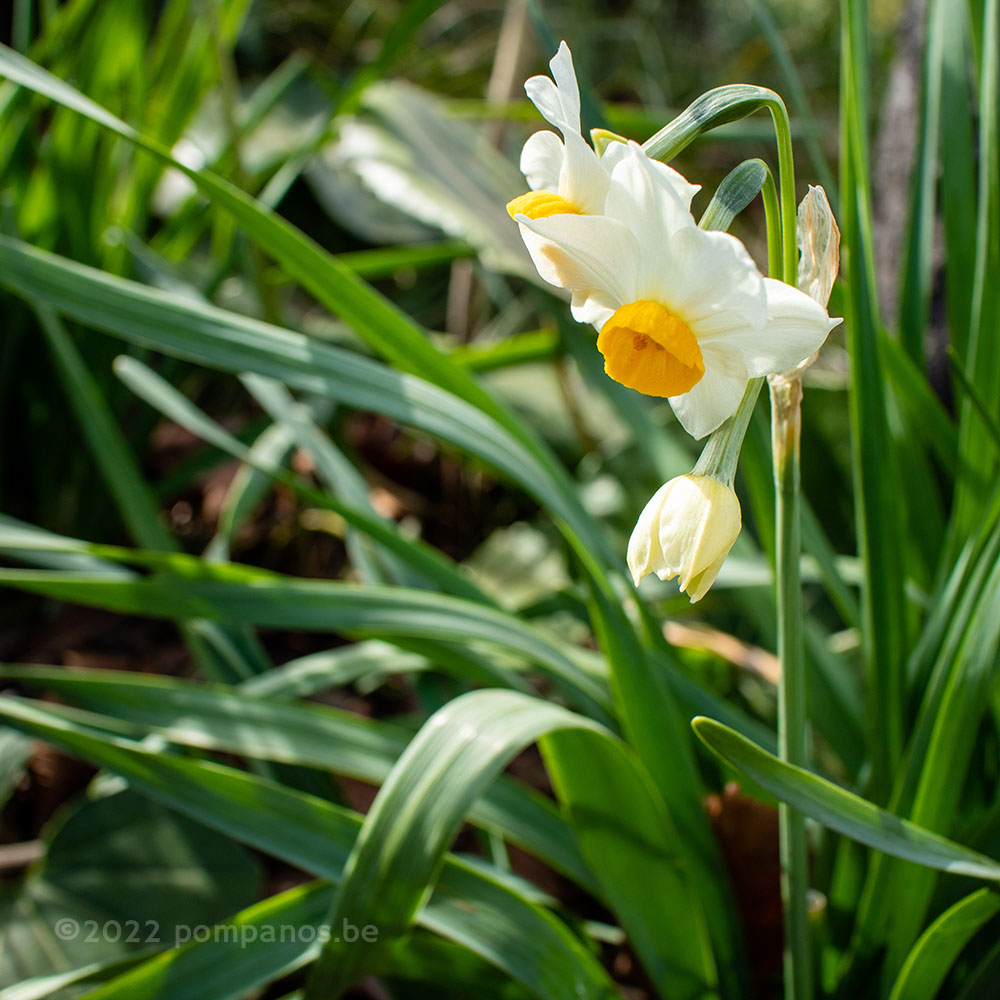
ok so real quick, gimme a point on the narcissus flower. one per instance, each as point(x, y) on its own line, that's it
point(566, 176)
point(681, 312)
point(686, 530)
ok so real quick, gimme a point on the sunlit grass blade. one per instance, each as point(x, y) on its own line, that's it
point(423, 563)
point(940, 945)
point(944, 743)
point(39, 987)
point(342, 665)
point(459, 751)
point(519, 348)
point(222, 720)
point(121, 473)
point(880, 539)
point(841, 810)
point(947, 648)
point(104, 437)
point(982, 359)
point(224, 340)
point(248, 487)
point(386, 328)
point(342, 479)
point(221, 593)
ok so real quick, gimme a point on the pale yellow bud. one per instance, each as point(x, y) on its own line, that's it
point(686, 530)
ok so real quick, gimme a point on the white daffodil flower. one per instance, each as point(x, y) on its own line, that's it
point(567, 176)
point(686, 530)
point(681, 312)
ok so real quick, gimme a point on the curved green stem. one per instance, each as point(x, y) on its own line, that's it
point(772, 219)
point(786, 188)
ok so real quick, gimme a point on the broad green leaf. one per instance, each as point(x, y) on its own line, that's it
point(457, 753)
point(238, 595)
point(15, 751)
point(934, 954)
point(120, 875)
point(841, 810)
point(483, 912)
point(212, 717)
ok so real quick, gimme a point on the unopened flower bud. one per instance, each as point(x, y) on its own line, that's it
point(686, 530)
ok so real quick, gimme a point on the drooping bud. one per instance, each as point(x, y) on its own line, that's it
point(686, 531)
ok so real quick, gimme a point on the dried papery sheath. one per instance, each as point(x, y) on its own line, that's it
point(818, 238)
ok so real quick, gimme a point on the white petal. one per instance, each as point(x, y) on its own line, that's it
point(616, 152)
point(542, 160)
point(716, 396)
point(564, 75)
point(706, 274)
point(796, 328)
point(700, 584)
point(649, 205)
point(685, 512)
point(584, 253)
point(559, 102)
point(644, 553)
point(583, 181)
point(594, 307)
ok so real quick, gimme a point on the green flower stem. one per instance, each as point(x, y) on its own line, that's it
point(721, 454)
point(786, 399)
point(786, 422)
